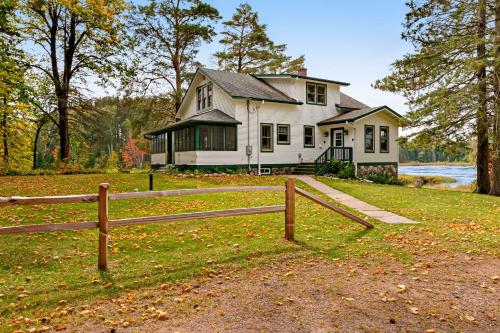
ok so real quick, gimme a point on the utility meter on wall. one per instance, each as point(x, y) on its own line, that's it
point(249, 150)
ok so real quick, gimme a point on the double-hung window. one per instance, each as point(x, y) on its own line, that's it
point(266, 138)
point(369, 139)
point(309, 136)
point(316, 93)
point(283, 134)
point(384, 139)
point(204, 96)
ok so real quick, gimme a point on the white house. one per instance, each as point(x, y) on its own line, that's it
point(280, 122)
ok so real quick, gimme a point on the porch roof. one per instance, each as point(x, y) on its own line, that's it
point(357, 114)
point(212, 117)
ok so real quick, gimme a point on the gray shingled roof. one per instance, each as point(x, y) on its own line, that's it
point(214, 116)
point(355, 115)
point(348, 102)
point(246, 86)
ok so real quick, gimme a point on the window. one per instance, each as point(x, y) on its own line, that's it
point(204, 96)
point(309, 136)
point(266, 137)
point(315, 93)
point(369, 139)
point(158, 144)
point(206, 137)
point(384, 139)
point(338, 138)
point(283, 131)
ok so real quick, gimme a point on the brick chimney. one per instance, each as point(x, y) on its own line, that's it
point(302, 71)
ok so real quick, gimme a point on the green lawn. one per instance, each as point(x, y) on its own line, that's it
point(39, 270)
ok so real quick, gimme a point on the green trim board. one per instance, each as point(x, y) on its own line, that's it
point(310, 78)
point(354, 115)
point(235, 166)
point(267, 100)
point(377, 163)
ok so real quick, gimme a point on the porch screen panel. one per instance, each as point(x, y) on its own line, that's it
point(230, 141)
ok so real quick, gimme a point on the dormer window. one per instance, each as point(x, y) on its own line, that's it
point(204, 96)
point(316, 93)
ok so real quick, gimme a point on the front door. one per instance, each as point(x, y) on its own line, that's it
point(337, 137)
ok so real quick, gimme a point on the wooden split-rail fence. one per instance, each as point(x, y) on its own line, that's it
point(104, 224)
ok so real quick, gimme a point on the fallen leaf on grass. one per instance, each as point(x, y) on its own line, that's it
point(413, 310)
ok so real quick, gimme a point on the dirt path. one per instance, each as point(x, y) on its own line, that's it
point(445, 293)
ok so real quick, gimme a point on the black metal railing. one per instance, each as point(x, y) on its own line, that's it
point(335, 153)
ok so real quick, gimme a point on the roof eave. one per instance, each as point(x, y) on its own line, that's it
point(268, 100)
point(278, 76)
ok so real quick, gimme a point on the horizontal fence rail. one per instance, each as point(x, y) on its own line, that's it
point(104, 223)
point(169, 193)
point(79, 198)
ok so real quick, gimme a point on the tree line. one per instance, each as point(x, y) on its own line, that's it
point(52, 52)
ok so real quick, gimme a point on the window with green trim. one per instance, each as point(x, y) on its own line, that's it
point(384, 139)
point(266, 138)
point(369, 139)
point(283, 134)
point(316, 93)
point(309, 136)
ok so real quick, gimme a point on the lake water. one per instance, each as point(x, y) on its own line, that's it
point(464, 174)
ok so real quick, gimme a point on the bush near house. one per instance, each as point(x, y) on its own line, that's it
point(341, 169)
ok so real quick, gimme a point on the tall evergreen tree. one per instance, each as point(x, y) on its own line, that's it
point(168, 34)
point(445, 79)
point(248, 48)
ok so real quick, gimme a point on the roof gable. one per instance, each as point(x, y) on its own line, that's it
point(354, 115)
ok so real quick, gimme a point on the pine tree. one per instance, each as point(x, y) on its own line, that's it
point(446, 78)
point(168, 34)
point(248, 48)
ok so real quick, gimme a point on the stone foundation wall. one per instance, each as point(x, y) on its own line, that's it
point(365, 170)
point(275, 170)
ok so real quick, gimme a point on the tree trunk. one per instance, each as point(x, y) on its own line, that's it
point(62, 108)
point(483, 179)
point(5, 138)
point(35, 144)
point(495, 179)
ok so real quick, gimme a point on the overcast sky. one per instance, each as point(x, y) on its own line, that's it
point(347, 40)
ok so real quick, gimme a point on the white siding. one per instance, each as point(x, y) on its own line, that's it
point(221, 100)
point(296, 116)
point(377, 119)
point(158, 159)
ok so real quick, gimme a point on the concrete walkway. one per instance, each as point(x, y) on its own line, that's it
point(354, 203)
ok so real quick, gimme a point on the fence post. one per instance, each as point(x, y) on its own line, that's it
point(290, 209)
point(150, 181)
point(103, 226)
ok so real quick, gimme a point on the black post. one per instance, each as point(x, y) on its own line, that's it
point(150, 181)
